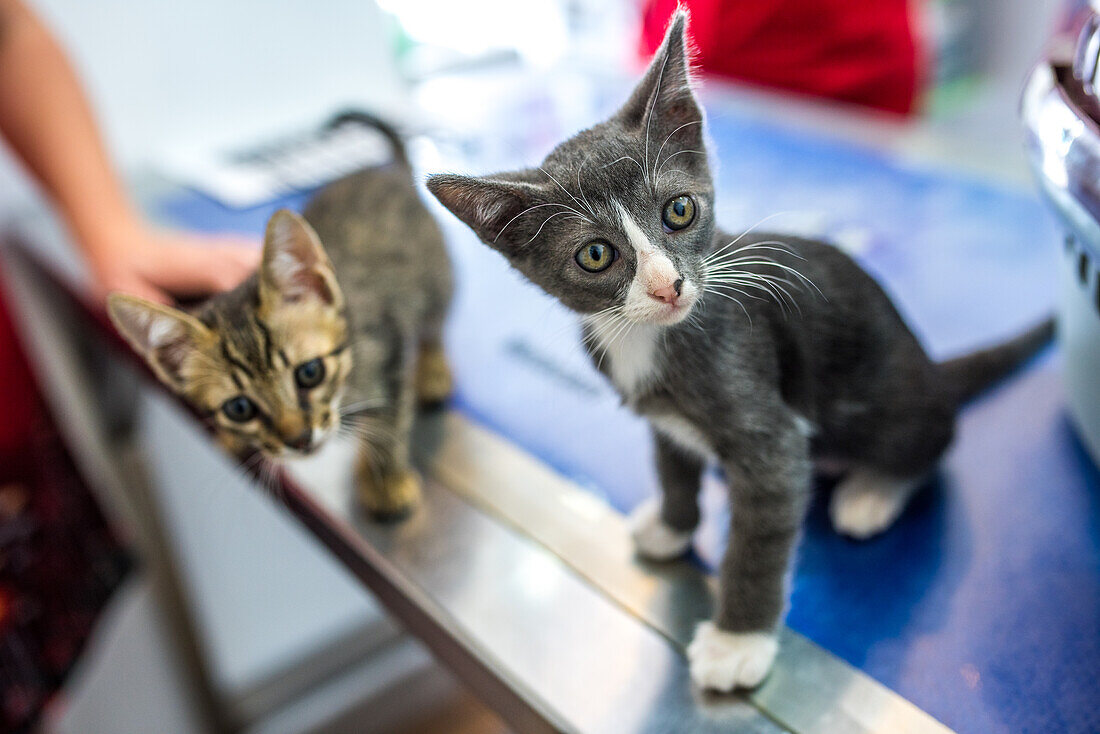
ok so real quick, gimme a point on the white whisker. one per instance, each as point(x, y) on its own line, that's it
point(764, 283)
point(774, 245)
point(787, 268)
point(681, 127)
point(529, 209)
point(753, 227)
point(627, 158)
point(726, 295)
point(649, 115)
point(539, 230)
point(580, 185)
point(362, 405)
point(575, 200)
point(657, 173)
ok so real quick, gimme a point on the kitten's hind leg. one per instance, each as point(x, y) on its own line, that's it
point(654, 539)
point(433, 375)
point(433, 382)
point(662, 528)
point(868, 501)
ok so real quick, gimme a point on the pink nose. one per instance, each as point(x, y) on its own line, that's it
point(669, 293)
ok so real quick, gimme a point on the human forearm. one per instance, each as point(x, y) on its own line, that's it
point(48, 122)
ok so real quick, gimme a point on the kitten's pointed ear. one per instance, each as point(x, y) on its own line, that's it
point(490, 206)
point(664, 93)
point(164, 336)
point(294, 266)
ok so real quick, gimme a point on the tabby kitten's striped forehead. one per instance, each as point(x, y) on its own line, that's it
point(267, 361)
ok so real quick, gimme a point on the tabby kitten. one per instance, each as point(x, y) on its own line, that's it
point(312, 339)
point(762, 352)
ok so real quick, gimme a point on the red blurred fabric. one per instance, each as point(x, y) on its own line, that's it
point(59, 561)
point(860, 51)
point(19, 403)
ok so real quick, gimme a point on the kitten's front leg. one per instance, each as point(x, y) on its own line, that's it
point(662, 527)
point(388, 487)
point(770, 484)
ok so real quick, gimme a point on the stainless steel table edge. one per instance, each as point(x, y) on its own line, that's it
point(809, 689)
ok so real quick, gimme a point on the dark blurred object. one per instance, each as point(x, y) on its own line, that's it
point(1061, 111)
point(59, 561)
point(860, 52)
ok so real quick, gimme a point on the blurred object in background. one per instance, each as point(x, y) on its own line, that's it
point(59, 565)
point(1061, 111)
point(950, 33)
point(865, 53)
point(19, 401)
point(293, 163)
point(895, 55)
point(433, 37)
point(476, 69)
point(955, 67)
point(182, 80)
point(59, 561)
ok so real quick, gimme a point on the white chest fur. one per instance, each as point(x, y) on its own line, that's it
point(683, 433)
point(632, 358)
point(628, 352)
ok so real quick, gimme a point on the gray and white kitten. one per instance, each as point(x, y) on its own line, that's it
point(340, 325)
point(764, 353)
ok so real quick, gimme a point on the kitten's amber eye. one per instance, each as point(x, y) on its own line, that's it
point(678, 213)
point(239, 409)
point(309, 374)
point(596, 256)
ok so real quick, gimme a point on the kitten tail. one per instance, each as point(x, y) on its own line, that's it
point(400, 155)
point(974, 373)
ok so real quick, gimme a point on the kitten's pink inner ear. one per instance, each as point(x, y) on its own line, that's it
point(171, 351)
point(295, 266)
point(294, 283)
point(471, 199)
point(164, 336)
point(494, 206)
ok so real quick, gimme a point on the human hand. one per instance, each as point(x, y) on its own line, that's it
point(158, 264)
point(48, 123)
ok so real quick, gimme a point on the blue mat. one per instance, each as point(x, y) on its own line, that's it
point(983, 605)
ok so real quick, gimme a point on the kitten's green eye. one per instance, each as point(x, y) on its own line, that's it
point(309, 374)
point(239, 409)
point(596, 256)
point(678, 213)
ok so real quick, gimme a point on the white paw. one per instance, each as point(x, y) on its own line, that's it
point(866, 503)
point(653, 539)
point(723, 661)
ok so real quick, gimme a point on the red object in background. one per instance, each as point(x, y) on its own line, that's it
point(59, 561)
point(861, 52)
point(19, 401)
